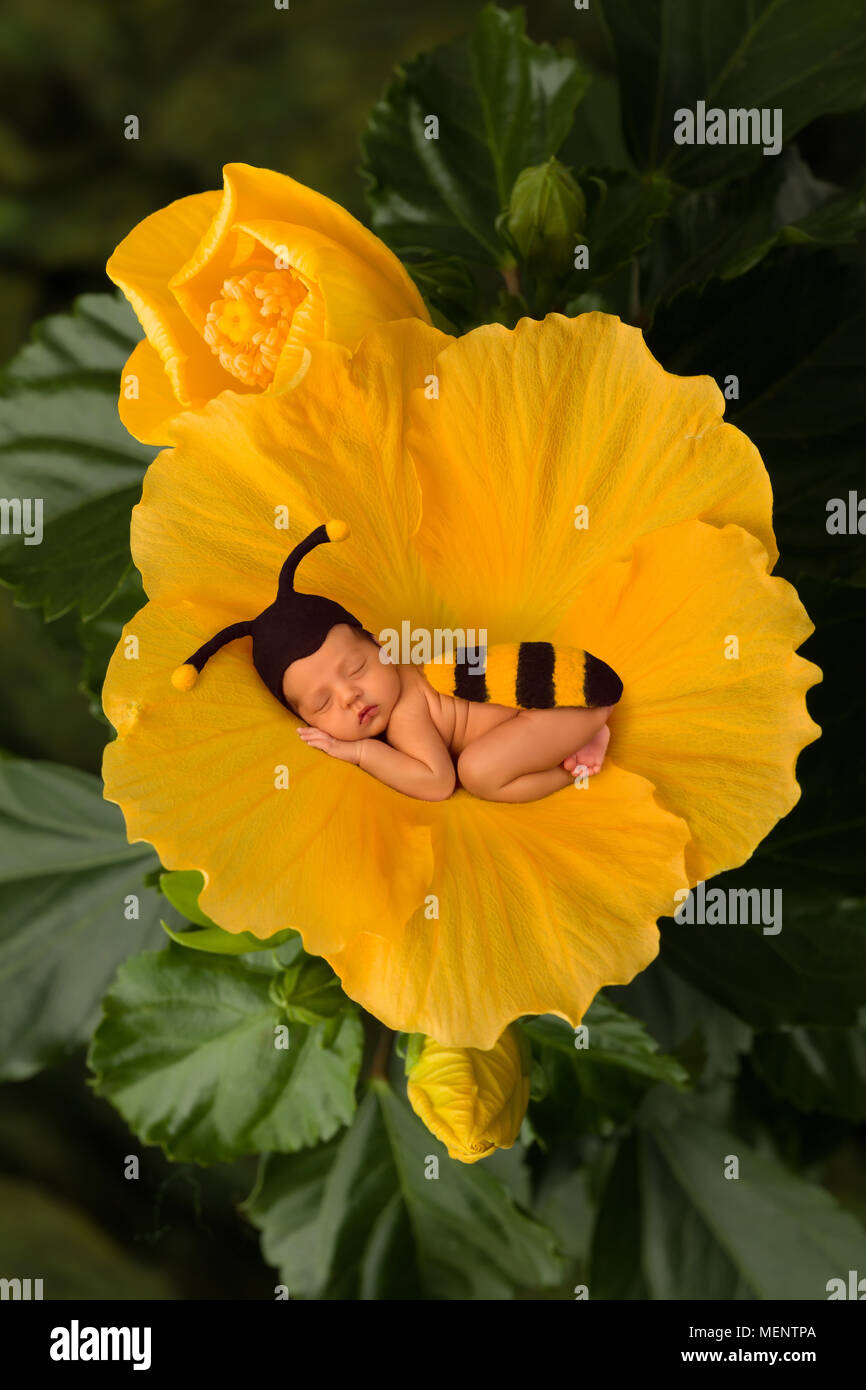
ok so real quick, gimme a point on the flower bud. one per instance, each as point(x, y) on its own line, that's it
point(473, 1101)
point(546, 215)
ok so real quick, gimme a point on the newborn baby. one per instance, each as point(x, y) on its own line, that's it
point(319, 662)
point(347, 695)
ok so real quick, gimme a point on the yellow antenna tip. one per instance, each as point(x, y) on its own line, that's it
point(337, 530)
point(185, 677)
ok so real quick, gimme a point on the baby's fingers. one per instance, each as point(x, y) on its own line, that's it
point(314, 738)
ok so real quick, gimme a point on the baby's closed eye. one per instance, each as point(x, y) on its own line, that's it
point(324, 703)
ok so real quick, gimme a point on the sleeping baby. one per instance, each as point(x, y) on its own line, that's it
point(390, 720)
point(347, 695)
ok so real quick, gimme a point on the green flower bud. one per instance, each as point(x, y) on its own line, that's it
point(546, 215)
point(308, 991)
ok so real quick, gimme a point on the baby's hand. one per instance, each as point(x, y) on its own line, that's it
point(347, 751)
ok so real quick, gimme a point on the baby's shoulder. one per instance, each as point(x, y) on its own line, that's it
point(414, 685)
point(417, 693)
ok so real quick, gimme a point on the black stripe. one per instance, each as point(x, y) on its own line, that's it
point(601, 684)
point(470, 682)
point(533, 687)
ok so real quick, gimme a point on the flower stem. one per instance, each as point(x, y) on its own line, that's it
point(381, 1054)
point(511, 277)
point(379, 1065)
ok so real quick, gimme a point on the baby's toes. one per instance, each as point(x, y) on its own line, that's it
point(570, 762)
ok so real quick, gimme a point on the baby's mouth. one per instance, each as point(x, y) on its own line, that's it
point(367, 713)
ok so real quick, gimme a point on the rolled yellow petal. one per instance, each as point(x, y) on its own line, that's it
point(473, 1101)
point(235, 289)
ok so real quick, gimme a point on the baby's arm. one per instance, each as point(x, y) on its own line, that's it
point(415, 760)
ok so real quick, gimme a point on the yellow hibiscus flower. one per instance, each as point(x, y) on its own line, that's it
point(460, 466)
point(473, 1101)
point(232, 289)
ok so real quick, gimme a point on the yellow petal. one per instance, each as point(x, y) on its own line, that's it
point(146, 415)
point(354, 294)
point(539, 906)
point(717, 735)
point(198, 775)
point(533, 423)
point(142, 266)
point(473, 1101)
point(253, 194)
point(205, 527)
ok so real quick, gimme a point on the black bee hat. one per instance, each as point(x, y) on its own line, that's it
point(292, 627)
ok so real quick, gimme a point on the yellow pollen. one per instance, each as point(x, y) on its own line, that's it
point(248, 327)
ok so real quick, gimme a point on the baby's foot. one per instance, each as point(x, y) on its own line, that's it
point(591, 755)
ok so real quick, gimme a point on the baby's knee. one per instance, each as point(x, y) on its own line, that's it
point(474, 771)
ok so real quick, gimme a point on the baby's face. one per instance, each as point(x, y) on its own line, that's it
point(334, 687)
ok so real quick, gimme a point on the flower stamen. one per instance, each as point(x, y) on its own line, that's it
point(247, 328)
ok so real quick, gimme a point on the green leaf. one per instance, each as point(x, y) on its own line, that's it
point(62, 442)
point(186, 1051)
point(310, 992)
point(813, 971)
point(724, 232)
point(67, 871)
point(456, 296)
point(502, 103)
point(816, 852)
point(90, 344)
point(224, 943)
point(820, 1069)
point(564, 1203)
point(182, 887)
point(595, 138)
point(703, 1235)
point(45, 1237)
point(837, 220)
point(789, 54)
point(615, 1261)
point(414, 1047)
point(100, 635)
point(800, 368)
point(622, 209)
point(359, 1218)
point(685, 1022)
point(593, 1089)
point(615, 1040)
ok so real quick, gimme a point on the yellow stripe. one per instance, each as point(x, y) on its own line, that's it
point(440, 674)
point(568, 676)
point(502, 674)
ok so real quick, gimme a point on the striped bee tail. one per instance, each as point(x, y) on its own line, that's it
point(575, 677)
point(601, 684)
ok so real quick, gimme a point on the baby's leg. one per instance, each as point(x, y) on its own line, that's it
point(521, 760)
